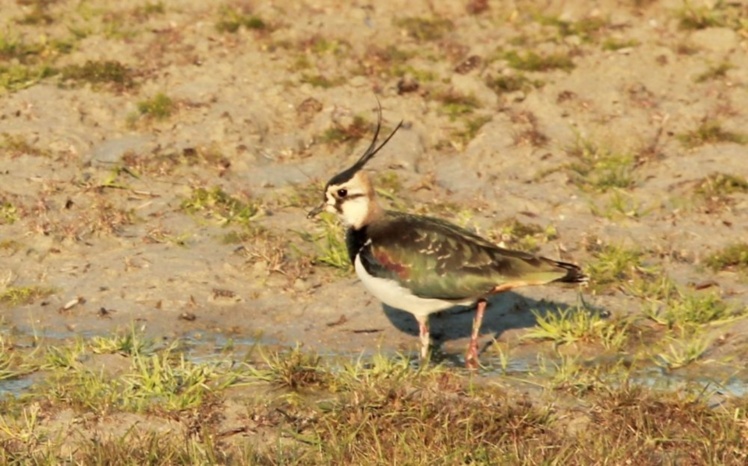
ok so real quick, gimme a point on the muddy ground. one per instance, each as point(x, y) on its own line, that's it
point(158, 159)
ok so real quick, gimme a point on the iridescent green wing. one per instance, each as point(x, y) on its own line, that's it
point(436, 259)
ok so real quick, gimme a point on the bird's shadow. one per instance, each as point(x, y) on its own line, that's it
point(505, 311)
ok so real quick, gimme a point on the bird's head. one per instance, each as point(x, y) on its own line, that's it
point(350, 194)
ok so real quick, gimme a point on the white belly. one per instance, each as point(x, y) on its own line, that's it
point(394, 295)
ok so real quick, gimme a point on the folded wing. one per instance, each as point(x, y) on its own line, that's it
point(436, 259)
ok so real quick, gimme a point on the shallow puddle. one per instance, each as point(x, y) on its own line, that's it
point(15, 386)
point(534, 367)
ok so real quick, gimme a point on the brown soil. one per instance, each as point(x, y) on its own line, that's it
point(99, 188)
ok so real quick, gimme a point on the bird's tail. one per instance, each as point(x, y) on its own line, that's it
point(574, 274)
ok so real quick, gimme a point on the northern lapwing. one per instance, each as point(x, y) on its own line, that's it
point(422, 264)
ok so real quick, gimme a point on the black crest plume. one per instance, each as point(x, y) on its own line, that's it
point(370, 152)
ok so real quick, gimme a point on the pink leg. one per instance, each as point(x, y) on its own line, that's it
point(423, 331)
point(471, 358)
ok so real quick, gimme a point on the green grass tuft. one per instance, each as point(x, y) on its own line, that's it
point(732, 257)
point(681, 352)
point(710, 132)
point(20, 295)
point(688, 310)
point(613, 265)
point(621, 204)
point(599, 169)
point(703, 15)
point(329, 243)
point(721, 185)
point(169, 382)
point(15, 77)
point(215, 203)
point(294, 370)
point(579, 325)
point(303, 409)
point(130, 343)
point(158, 107)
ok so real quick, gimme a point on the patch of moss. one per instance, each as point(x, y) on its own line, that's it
point(99, 72)
point(420, 75)
point(339, 134)
point(586, 29)
point(714, 72)
point(8, 213)
point(318, 80)
point(618, 44)
point(512, 83)
point(425, 29)
point(322, 46)
point(455, 104)
point(16, 145)
point(391, 54)
point(388, 181)
point(531, 61)
point(472, 126)
point(149, 9)
point(231, 20)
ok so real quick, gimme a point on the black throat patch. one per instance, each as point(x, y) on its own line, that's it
point(355, 241)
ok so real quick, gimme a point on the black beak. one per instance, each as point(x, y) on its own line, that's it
point(313, 213)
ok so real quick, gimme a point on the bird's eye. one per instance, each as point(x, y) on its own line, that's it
point(342, 192)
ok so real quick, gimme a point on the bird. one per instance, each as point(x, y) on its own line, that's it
point(424, 265)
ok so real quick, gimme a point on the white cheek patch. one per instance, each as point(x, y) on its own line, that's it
point(355, 211)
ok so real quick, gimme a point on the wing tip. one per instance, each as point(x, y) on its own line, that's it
point(574, 274)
